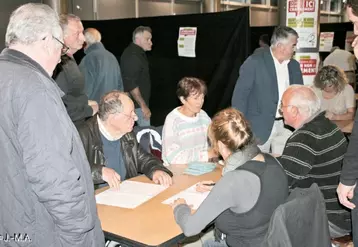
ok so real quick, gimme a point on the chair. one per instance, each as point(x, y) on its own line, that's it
point(300, 222)
point(150, 139)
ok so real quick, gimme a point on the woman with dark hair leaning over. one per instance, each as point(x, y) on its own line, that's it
point(243, 200)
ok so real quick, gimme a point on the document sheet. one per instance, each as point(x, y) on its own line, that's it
point(191, 196)
point(131, 194)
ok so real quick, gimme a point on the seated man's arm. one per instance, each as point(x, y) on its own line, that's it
point(297, 158)
point(94, 155)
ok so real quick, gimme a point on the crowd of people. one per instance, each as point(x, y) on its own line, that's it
point(66, 128)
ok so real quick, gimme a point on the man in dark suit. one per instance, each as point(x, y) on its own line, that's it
point(264, 77)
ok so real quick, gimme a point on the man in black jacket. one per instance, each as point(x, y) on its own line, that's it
point(135, 72)
point(69, 77)
point(111, 147)
point(346, 189)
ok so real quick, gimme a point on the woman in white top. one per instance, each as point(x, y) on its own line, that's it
point(337, 96)
point(185, 129)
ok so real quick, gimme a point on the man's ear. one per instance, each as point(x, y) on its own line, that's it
point(46, 43)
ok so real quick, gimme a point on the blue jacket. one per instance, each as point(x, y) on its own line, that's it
point(256, 91)
point(101, 71)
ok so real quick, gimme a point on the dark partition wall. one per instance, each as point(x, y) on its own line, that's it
point(221, 47)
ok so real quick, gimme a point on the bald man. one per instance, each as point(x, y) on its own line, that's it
point(99, 67)
point(314, 153)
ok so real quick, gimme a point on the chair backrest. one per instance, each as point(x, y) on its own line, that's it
point(300, 222)
point(150, 139)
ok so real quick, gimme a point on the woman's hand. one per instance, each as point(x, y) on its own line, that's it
point(177, 202)
point(205, 186)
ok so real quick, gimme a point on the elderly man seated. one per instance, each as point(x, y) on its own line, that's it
point(314, 152)
point(111, 147)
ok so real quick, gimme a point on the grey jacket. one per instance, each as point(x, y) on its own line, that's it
point(256, 91)
point(46, 190)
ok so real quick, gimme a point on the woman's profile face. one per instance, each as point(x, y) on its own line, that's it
point(194, 102)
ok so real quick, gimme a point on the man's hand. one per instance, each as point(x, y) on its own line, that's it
point(94, 106)
point(160, 177)
point(344, 193)
point(146, 112)
point(355, 46)
point(111, 177)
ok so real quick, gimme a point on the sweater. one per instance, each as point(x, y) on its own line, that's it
point(185, 138)
point(314, 154)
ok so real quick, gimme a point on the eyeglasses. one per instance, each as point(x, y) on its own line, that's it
point(281, 107)
point(64, 49)
point(132, 116)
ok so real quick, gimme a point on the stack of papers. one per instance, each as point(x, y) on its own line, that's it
point(131, 194)
point(199, 168)
point(191, 196)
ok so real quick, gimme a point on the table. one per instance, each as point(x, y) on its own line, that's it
point(152, 223)
point(346, 126)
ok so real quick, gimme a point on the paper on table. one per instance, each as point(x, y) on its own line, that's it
point(191, 196)
point(131, 194)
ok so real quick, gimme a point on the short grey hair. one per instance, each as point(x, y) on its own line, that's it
point(305, 99)
point(140, 30)
point(281, 34)
point(110, 104)
point(32, 22)
point(90, 37)
point(66, 18)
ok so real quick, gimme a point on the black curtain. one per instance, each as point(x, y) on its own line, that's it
point(222, 45)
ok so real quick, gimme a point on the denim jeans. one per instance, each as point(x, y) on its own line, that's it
point(213, 243)
point(142, 122)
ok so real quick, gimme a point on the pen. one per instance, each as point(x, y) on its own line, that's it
point(212, 184)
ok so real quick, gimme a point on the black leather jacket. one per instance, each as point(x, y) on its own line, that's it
point(137, 161)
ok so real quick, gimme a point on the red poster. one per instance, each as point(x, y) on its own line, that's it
point(308, 66)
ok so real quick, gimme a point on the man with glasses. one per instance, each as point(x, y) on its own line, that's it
point(314, 153)
point(111, 146)
point(46, 193)
point(68, 75)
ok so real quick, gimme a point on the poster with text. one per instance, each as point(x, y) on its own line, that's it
point(302, 16)
point(187, 41)
point(326, 41)
point(309, 66)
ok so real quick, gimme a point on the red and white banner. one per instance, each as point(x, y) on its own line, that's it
point(302, 15)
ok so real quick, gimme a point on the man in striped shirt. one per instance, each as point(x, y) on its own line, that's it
point(314, 153)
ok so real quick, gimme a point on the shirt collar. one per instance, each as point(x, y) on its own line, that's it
point(105, 133)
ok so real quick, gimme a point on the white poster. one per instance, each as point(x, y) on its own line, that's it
point(302, 16)
point(349, 39)
point(309, 66)
point(326, 41)
point(186, 41)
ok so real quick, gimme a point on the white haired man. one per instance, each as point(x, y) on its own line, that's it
point(314, 153)
point(264, 77)
point(135, 72)
point(47, 196)
point(69, 77)
point(99, 67)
